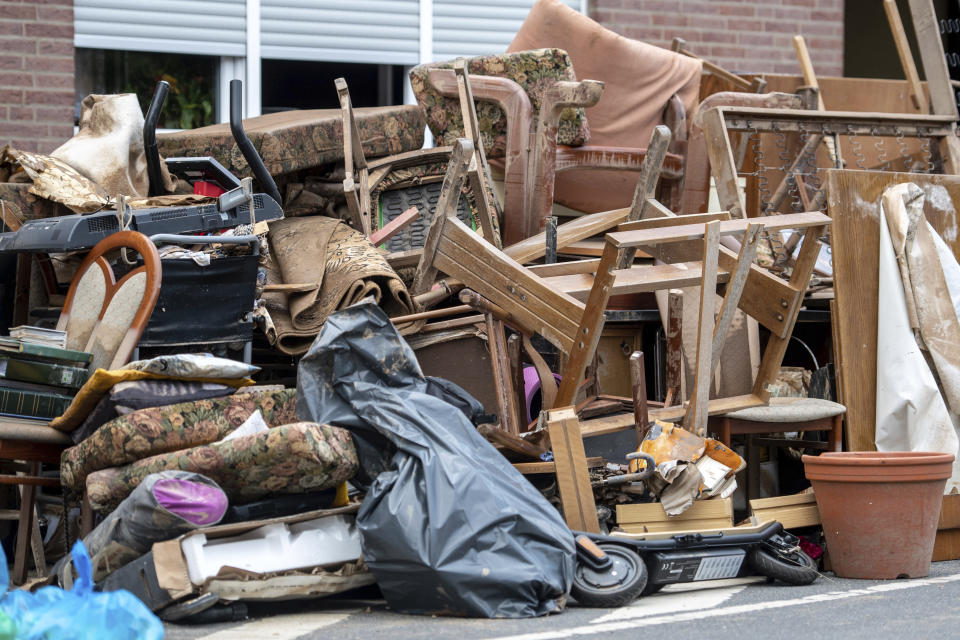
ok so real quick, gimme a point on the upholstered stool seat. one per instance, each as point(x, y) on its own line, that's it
point(790, 410)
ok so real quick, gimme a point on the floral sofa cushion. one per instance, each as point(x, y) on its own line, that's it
point(157, 430)
point(533, 70)
point(291, 141)
point(294, 458)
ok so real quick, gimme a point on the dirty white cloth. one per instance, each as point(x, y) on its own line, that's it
point(108, 148)
point(917, 397)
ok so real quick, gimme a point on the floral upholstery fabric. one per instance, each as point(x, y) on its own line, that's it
point(533, 70)
point(159, 430)
point(295, 458)
point(295, 140)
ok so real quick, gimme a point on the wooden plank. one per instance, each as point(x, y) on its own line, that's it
point(464, 255)
point(927, 30)
point(950, 513)
point(674, 339)
point(646, 185)
point(792, 500)
point(639, 279)
point(638, 388)
point(946, 546)
point(565, 268)
point(722, 163)
point(590, 327)
point(613, 424)
point(917, 94)
point(529, 468)
point(583, 227)
point(666, 221)
point(573, 479)
point(695, 419)
point(510, 442)
point(502, 381)
point(395, 226)
point(652, 512)
point(793, 517)
point(684, 232)
point(447, 201)
point(731, 299)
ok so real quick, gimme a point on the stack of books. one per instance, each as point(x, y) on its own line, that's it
point(38, 375)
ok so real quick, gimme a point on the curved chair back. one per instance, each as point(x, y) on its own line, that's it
point(106, 317)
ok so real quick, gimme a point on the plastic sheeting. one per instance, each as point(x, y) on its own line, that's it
point(450, 526)
point(912, 413)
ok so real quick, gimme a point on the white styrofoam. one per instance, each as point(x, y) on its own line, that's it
point(274, 547)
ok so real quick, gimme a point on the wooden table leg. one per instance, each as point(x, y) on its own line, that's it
point(638, 384)
point(835, 438)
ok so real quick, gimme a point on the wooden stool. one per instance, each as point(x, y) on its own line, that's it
point(782, 415)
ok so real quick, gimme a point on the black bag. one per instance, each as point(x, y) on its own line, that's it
point(450, 527)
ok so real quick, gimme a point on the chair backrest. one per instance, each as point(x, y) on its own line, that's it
point(534, 70)
point(106, 317)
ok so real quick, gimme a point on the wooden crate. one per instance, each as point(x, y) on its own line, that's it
point(704, 514)
point(947, 545)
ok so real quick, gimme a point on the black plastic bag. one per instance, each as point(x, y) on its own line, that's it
point(451, 527)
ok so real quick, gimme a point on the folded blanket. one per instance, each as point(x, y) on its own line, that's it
point(295, 458)
point(338, 267)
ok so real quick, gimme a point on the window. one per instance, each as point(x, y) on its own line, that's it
point(192, 101)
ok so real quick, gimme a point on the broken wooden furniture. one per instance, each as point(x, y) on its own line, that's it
point(105, 318)
point(379, 192)
point(549, 300)
point(782, 415)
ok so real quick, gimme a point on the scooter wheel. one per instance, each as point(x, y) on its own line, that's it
point(796, 568)
point(615, 587)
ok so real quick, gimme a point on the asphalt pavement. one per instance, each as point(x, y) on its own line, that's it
point(741, 608)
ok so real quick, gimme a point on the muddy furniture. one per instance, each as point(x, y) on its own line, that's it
point(541, 132)
point(103, 317)
point(292, 141)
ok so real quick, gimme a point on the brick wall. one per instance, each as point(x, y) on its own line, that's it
point(740, 35)
point(36, 73)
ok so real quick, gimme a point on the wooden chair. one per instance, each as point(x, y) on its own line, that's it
point(101, 316)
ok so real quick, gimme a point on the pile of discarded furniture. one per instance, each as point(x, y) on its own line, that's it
point(234, 393)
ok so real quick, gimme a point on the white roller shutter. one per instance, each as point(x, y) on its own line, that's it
point(205, 27)
point(472, 28)
point(370, 31)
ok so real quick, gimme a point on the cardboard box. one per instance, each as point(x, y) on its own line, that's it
point(161, 577)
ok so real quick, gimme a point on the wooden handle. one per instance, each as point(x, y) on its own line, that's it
point(917, 95)
point(806, 66)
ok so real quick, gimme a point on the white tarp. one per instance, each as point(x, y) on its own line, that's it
point(919, 294)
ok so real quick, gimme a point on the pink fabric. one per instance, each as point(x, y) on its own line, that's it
point(639, 77)
point(197, 503)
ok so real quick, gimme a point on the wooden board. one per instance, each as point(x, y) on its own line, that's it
point(703, 515)
point(799, 510)
point(573, 480)
point(853, 199)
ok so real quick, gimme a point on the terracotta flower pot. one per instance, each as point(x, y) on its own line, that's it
point(879, 510)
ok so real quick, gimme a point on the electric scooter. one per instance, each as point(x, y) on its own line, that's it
point(613, 570)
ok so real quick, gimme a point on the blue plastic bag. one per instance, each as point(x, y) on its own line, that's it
point(53, 613)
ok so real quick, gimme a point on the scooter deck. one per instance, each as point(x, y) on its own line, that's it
point(663, 535)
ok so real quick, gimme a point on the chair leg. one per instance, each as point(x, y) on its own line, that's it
point(28, 495)
point(835, 439)
point(725, 430)
point(753, 471)
point(36, 545)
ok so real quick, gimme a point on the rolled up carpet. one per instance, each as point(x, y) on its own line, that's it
point(294, 458)
point(335, 267)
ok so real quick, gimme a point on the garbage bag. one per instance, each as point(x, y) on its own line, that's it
point(163, 506)
point(450, 527)
point(53, 613)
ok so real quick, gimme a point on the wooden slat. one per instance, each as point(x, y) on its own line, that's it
point(464, 255)
point(932, 57)
point(723, 166)
point(565, 268)
point(573, 479)
point(528, 468)
point(695, 419)
point(731, 298)
point(583, 227)
point(639, 279)
point(650, 513)
point(917, 94)
point(666, 221)
point(682, 232)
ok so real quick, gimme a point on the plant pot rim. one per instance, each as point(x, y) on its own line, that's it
point(879, 458)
